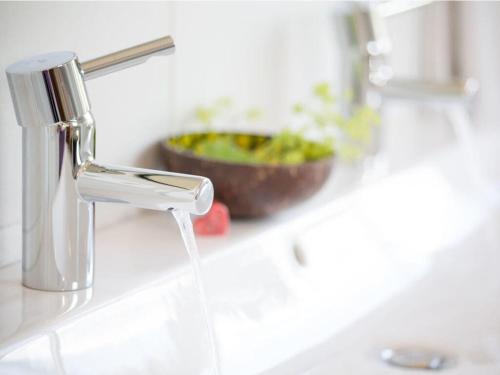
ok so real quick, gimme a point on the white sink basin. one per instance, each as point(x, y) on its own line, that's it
point(413, 259)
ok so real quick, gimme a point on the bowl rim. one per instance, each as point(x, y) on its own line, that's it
point(166, 147)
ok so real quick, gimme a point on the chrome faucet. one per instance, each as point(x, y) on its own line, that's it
point(367, 74)
point(61, 179)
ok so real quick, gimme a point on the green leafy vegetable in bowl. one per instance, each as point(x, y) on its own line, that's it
point(320, 132)
point(285, 147)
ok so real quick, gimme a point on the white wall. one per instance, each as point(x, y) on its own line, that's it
point(479, 28)
point(265, 54)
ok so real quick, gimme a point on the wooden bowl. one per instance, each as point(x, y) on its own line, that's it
point(252, 190)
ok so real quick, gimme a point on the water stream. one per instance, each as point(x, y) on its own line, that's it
point(186, 227)
point(460, 120)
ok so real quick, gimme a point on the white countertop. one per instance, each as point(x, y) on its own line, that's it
point(463, 281)
point(133, 254)
point(454, 310)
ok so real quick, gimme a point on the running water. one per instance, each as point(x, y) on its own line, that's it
point(459, 118)
point(186, 228)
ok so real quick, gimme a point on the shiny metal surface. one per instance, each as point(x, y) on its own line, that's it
point(415, 359)
point(366, 45)
point(58, 226)
point(47, 89)
point(368, 76)
point(127, 57)
point(430, 91)
point(61, 181)
point(145, 188)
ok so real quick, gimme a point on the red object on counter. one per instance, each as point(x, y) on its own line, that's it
point(215, 223)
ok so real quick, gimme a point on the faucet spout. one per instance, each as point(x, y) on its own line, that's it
point(145, 188)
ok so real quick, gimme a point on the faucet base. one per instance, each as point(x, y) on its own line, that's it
point(73, 288)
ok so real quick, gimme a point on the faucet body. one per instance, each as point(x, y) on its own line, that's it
point(61, 179)
point(367, 73)
point(58, 226)
point(368, 76)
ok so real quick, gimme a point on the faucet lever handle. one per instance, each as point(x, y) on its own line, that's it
point(127, 57)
